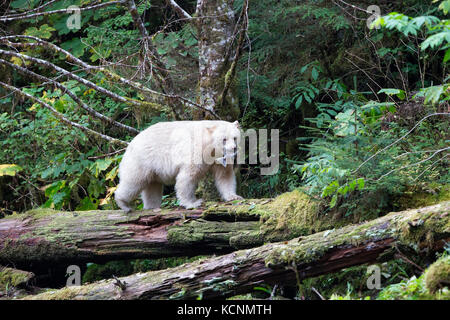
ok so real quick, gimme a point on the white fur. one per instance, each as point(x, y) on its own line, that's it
point(180, 153)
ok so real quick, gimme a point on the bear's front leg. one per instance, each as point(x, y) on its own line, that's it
point(225, 180)
point(185, 189)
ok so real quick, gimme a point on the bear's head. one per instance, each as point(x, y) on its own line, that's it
point(225, 138)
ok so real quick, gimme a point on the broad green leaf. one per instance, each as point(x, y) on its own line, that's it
point(111, 175)
point(399, 93)
point(9, 169)
point(445, 6)
point(314, 74)
point(74, 46)
point(44, 31)
point(447, 55)
point(100, 166)
point(87, 204)
point(360, 182)
point(299, 101)
point(436, 40)
point(333, 201)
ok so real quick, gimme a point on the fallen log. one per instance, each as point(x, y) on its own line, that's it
point(10, 277)
point(46, 237)
point(12, 281)
point(422, 230)
point(41, 238)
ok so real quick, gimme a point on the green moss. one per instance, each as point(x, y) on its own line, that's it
point(245, 209)
point(416, 197)
point(247, 239)
point(438, 274)
point(431, 285)
point(41, 250)
point(34, 213)
point(289, 215)
point(67, 293)
point(292, 214)
point(59, 233)
point(423, 224)
point(12, 278)
point(411, 228)
point(213, 232)
point(282, 255)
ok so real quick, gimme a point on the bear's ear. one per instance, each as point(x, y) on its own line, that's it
point(236, 123)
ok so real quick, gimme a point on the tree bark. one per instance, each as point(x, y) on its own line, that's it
point(42, 238)
point(216, 28)
point(423, 230)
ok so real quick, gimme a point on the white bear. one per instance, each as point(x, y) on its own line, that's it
point(180, 153)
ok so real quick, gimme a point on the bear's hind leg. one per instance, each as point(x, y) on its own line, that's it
point(185, 188)
point(152, 195)
point(125, 193)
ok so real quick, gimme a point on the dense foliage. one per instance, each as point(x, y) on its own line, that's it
point(362, 104)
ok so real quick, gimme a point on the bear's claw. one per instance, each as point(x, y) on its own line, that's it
point(193, 205)
point(234, 197)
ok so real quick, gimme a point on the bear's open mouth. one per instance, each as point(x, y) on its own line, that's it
point(224, 160)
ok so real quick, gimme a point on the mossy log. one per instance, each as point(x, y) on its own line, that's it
point(44, 237)
point(422, 230)
point(10, 277)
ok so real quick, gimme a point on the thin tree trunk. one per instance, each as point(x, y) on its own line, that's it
point(216, 27)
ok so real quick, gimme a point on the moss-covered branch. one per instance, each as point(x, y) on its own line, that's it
point(424, 229)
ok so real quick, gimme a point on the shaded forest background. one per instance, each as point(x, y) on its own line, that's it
point(362, 112)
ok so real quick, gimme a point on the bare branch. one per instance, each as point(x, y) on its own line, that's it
point(37, 9)
point(354, 7)
point(87, 83)
point(152, 58)
point(62, 117)
point(179, 10)
point(401, 138)
point(64, 89)
point(45, 13)
point(415, 164)
point(108, 73)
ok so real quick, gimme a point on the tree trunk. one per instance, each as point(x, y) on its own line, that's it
point(423, 230)
point(216, 28)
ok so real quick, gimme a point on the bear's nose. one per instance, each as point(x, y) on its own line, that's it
point(230, 150)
